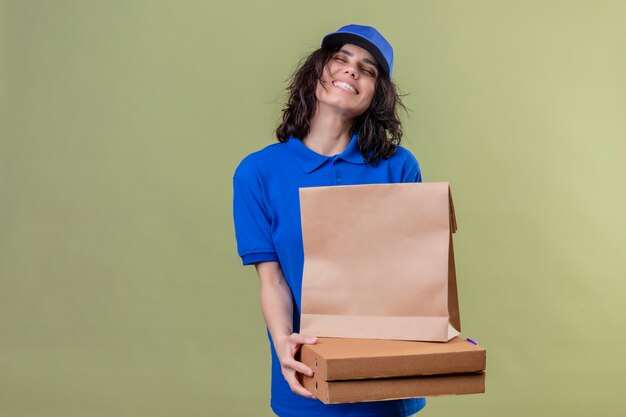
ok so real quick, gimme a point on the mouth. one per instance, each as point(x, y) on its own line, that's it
point(345, 86)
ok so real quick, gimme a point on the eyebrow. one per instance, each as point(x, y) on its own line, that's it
point(366, 60)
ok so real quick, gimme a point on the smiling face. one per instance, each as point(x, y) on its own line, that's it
point(348, 82)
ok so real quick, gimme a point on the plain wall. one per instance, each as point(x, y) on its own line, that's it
point(121, 123)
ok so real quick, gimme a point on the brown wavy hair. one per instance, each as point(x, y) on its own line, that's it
point(379, 127)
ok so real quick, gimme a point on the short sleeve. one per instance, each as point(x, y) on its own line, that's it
point(252, 224)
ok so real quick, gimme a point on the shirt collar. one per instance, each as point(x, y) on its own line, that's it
point(310, 160)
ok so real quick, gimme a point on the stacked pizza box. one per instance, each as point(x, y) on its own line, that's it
point(355, 370)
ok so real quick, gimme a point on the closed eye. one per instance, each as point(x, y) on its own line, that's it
point(369, 72)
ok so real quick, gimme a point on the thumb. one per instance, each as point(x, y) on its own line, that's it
point(303, 339)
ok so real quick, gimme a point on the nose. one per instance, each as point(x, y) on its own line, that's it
point(352, 72)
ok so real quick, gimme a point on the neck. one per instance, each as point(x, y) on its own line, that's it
point(329, 132)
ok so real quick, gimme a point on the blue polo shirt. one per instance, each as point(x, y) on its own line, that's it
point(266, 209)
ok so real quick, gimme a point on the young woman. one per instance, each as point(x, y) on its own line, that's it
point(339, 127)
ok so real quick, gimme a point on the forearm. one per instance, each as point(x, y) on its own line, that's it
point(277, 307)
point(276, 301)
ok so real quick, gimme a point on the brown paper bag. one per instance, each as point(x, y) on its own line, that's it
point(379, 262)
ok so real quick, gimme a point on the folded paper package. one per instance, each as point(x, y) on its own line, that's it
point(379, 262)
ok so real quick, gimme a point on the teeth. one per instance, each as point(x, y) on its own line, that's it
point(345, 86)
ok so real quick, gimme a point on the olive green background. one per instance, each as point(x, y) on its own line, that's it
point(121, 123)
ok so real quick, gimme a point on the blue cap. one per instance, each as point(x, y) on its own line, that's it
point(367, 38)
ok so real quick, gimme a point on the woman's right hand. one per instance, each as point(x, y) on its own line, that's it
point(286, 349)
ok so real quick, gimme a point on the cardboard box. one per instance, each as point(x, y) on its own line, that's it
point(355, 370)
point(361, 390)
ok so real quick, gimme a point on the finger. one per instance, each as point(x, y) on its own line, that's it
point(297, 388)
point(298, 366)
